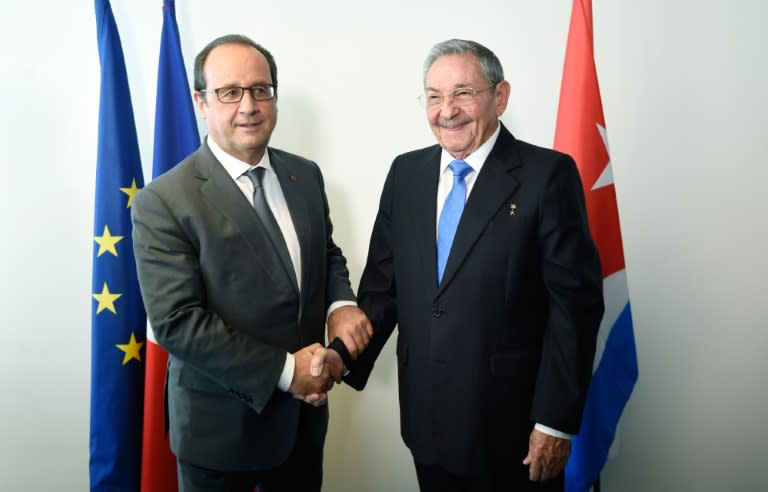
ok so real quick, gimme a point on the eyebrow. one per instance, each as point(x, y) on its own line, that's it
point(457, 86)
point(254, 84)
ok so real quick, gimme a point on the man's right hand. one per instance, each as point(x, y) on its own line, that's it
point(351, 326)
point(327, 359)
point(314, 373)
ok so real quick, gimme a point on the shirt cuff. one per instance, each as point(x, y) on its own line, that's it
point(286, 377)
point(552, 432)
point(336, 305)
point(341, 349)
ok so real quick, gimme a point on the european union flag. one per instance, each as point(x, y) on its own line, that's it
point(118, 317)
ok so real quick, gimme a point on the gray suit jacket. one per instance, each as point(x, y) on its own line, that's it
point(221, 301)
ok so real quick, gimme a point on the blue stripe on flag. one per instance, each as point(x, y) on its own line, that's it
point(611, 386)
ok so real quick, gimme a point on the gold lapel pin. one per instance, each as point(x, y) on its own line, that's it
point(512, 209)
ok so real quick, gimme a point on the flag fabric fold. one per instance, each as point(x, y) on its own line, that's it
point(581, 133)
point(176, 136)
point(118, 320)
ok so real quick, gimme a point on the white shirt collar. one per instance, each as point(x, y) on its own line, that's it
point(234, 166)
point(477, 158)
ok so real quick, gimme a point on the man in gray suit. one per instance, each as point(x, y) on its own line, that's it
point(238, 271)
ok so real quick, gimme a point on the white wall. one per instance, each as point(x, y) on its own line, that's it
point(684, 90)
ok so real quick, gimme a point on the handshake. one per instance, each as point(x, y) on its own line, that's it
point(318, 368)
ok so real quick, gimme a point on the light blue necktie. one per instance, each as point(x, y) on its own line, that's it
point(451, 214)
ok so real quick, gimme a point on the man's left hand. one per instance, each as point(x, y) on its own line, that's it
point(351, 325)
point(547, 456)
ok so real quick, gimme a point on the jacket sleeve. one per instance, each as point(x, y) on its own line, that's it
point(338, 287)
point(377, 295)
point(174, 294)
point(573, 281)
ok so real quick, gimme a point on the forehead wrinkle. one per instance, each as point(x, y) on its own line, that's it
point(236, 65)
point(462, 66)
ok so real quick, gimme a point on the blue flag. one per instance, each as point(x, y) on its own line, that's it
point(118, 317)
point(176, 137)
point(176, 133)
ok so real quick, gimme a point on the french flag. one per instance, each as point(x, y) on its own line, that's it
point(176, 136)
point(581, 133)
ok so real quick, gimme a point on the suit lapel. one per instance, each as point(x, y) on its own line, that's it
point(223, 193)
point(422, 188)
point(293, 191)
point(492, 189)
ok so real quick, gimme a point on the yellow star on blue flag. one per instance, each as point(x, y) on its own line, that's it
point(131, 192)
point(132, 349)
point(106, 300)
point(107, 242)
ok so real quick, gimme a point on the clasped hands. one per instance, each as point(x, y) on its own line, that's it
point(318, 368)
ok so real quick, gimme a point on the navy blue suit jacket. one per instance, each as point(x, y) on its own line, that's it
point(508, 338)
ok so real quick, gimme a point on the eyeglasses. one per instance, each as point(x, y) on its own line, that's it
point(234, 94)
point(460, 96)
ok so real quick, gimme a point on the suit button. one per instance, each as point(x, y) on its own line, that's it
point(436, 311)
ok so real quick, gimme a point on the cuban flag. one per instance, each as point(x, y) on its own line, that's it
point(581, 133)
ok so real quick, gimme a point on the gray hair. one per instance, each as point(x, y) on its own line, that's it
point(489, 63)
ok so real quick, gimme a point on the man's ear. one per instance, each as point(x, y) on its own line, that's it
point(200, 103)
point(503, 89)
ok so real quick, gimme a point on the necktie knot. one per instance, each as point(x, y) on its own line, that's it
point(256, 175)
point(460, 168)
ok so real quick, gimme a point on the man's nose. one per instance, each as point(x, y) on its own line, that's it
point(248, 104)
point(448, 109)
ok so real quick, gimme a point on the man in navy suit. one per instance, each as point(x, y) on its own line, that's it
point(481, 254)
point(238, 271)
